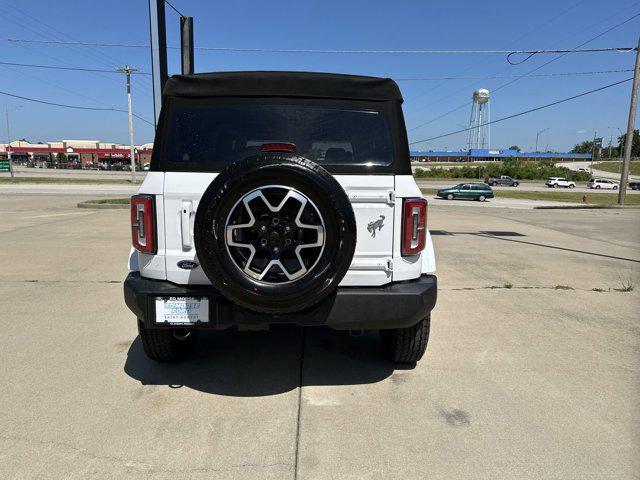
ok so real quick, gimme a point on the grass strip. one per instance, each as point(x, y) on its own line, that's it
point(109, 201)
point(557, 196)
point(62, 181)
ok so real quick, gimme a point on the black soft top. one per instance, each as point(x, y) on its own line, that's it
point(283, 84)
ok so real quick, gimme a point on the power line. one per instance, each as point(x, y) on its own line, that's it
point(79, 69)
point(527, 74)
point(578, 47)
point(300, 50)
point(484, 77)
point(77, 107)
point(512, 41)
point(174, 8)
point(525, 112)
point(564, 54)
point(488, 77)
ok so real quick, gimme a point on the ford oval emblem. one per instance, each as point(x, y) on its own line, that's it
point(187, 264)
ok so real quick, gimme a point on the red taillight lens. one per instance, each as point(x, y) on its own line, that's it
point(143, 224)
point(414, 226)
point(278, 147)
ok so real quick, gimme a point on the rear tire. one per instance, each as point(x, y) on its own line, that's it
point(167, 345)
point(406, 345)
point(493, 184)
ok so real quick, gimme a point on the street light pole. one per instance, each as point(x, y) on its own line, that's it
point(538, 135)
point(7, 110)
point(127, 71)
point(624, 177)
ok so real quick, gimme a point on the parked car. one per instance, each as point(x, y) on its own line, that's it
point(602, 183)
point(634, 185)
point(501, 180)
point(473, 191)
point(555, 182)
point(280, 218)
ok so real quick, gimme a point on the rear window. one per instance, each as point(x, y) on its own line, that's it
point(221, 133)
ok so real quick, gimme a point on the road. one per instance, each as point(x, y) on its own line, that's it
point(525, 186)
point(26, 172)
point(528, 382)
point(596, 173)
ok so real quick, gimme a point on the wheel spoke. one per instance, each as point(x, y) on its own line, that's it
point(259, 247)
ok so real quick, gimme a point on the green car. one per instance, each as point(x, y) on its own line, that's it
point(474, 191)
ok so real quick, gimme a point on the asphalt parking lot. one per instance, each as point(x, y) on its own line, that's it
point(530, 373)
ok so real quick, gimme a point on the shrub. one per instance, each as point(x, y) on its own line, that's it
point(513, 167)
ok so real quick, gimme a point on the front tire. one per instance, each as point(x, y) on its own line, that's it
point(406, 345)
point(449, 196)
point(615, 187)
point(515, 184)
point(482, 198)
point(167, 345)
point(572, 186)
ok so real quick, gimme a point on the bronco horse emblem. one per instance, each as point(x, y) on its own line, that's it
point(378, 224)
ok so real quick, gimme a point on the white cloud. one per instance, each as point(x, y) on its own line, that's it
point(580, 132)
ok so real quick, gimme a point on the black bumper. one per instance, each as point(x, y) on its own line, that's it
point(397, 305)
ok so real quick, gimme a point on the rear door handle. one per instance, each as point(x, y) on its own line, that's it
point(185, 225)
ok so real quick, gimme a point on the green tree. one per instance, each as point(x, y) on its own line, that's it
point(635, 145)
point(61, 157)
point(514, 147)
point(584, 147)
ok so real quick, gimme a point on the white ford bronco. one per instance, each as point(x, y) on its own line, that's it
point(280, 198)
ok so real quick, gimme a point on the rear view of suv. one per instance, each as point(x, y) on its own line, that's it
point(280, 198)
point(555, 182)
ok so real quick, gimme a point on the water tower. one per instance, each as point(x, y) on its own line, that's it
point(479, 135)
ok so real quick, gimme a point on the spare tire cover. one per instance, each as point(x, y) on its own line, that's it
point(275, 233)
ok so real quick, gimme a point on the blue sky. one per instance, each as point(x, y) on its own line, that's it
point(330, 24)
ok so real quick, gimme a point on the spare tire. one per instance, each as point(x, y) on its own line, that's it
point(275, 233)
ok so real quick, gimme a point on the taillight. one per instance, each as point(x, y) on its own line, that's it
point(278, 147)
point(414, 226)
point(143, 224)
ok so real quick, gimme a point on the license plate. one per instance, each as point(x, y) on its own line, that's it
point(182, 310)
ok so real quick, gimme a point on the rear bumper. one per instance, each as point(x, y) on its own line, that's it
point(397, 305)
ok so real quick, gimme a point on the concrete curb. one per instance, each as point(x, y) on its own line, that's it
point(585, 207)
point(103, 206)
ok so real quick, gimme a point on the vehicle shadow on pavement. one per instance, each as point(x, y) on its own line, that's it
point(248, 364)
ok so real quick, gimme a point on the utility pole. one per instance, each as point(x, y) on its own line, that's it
point(127, 71)
point(6, 111)
point(624, 177)
point(593, 149)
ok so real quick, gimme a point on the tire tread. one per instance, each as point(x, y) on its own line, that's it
point(407, 345)
point(162, 346)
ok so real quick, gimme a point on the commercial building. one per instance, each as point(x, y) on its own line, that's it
point(480, 155)
point(77, 153)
